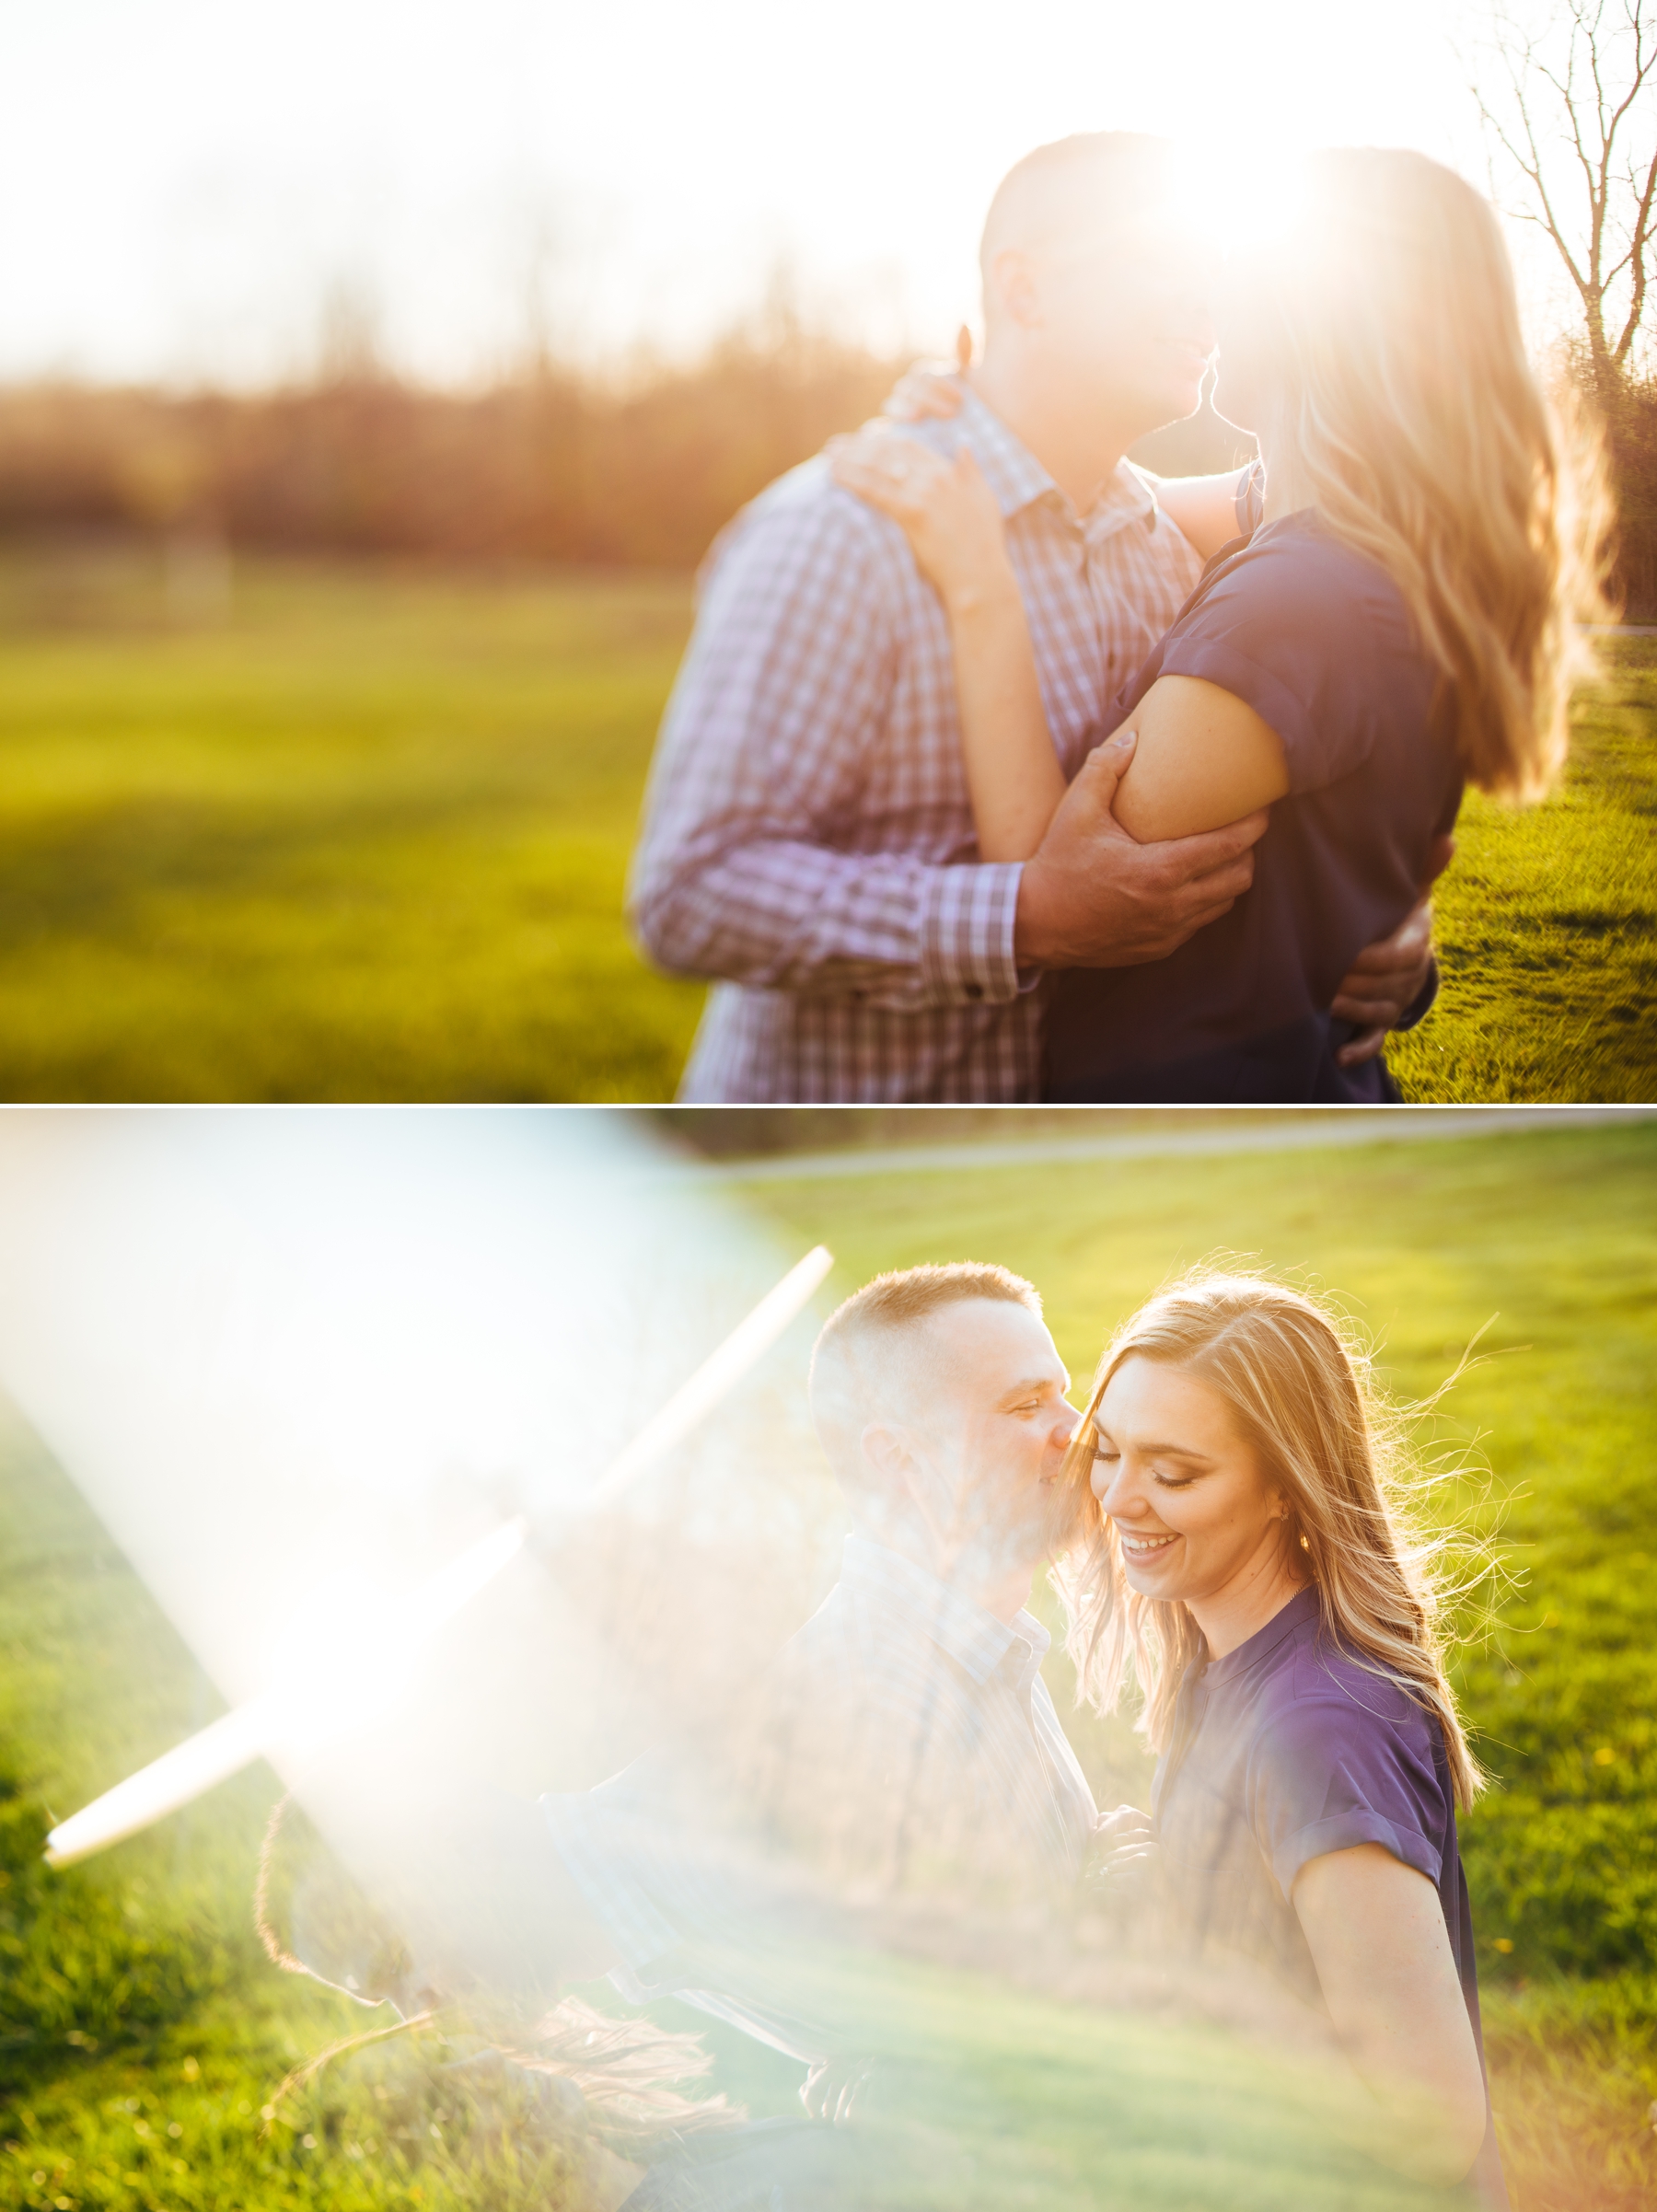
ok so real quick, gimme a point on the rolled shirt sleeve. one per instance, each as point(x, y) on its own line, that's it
point(1328, 1775)
point(1317, 641)
point(743, 871)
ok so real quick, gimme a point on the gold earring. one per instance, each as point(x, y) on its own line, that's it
point(1305, 1543)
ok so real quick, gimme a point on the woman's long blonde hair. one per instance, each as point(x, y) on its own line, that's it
point(1300, 1392)
point(1400, 401)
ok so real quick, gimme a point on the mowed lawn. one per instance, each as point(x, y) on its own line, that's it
point(142, 2033)
point(368, 838)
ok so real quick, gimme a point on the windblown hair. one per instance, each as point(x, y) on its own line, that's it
point(1300, 1392)
point(619, 2078)
point(1404, 406)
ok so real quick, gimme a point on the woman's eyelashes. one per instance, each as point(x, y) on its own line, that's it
point(1163, 1481)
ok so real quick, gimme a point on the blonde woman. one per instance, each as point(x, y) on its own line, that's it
point(1251, 1562)
point(1400, 622)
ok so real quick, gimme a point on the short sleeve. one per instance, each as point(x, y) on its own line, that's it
point(1331, 1773)
point(1315, 639)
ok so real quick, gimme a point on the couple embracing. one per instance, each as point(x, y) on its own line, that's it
point(1226, 1522)
point(1000, 769)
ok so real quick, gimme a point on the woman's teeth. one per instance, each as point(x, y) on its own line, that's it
point(1141, 1547)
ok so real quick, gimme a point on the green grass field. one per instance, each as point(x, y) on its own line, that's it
point(368, 839)
point(133, 2002)
point(1547, 923)
point(1548, 1239)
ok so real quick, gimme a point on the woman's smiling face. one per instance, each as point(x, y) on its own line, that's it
point(1197, 1518)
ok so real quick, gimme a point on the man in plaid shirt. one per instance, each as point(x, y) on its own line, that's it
point(904, 1741)
point(808, 839)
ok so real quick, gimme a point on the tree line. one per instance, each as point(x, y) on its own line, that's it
point(556, 465)
point(548, 465)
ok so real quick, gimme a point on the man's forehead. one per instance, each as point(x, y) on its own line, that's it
point(974, 1331)
point(1161, 234)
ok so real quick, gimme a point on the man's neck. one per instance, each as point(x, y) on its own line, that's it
point(1075, 440)
point(1004, 1597)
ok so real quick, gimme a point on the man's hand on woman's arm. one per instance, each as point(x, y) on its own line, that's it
point(1091, 897)
point(1198, 753)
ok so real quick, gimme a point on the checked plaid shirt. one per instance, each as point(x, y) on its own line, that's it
point(906, 1738)
point(808, 837)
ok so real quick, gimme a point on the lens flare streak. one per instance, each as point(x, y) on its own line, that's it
point(695, 1399)
point(294, 1710)
point(238, 1738)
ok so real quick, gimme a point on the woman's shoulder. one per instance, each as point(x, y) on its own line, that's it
point(1316, 637)
point(1298, 565)
point(1333, 1701)
point(1347, 1752)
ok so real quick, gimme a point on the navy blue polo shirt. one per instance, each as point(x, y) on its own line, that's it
point(1317, 639)
point(1287, 1748)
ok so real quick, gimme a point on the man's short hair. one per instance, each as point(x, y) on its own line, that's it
point(1049, 197)
point(858, 1356)
point(910, 1294)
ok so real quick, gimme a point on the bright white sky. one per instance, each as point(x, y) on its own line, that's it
point(184, 182)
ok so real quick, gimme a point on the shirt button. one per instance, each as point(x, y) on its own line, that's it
point(975, 990)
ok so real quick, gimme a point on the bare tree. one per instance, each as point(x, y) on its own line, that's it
point(350, 331)
point(542, 252)
point(1572, 110)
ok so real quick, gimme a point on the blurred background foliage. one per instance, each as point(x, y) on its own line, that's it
point(637, 467)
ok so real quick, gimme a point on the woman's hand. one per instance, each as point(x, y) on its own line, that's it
point(948, 514)
point(1122, 1854)
point(926, 393)
point(946, 510)
point(928, 390)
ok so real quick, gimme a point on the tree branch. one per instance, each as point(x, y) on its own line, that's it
point(1582, 98)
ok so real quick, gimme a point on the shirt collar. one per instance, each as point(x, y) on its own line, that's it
point(1305, 1606)
point(1011, 469)
point(1126, 498)
point(958, 1625)
point(1019, 480)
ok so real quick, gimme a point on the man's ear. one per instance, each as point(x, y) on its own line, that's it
point(910, 1479)
point(885, 1451)
point(1015, 289)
